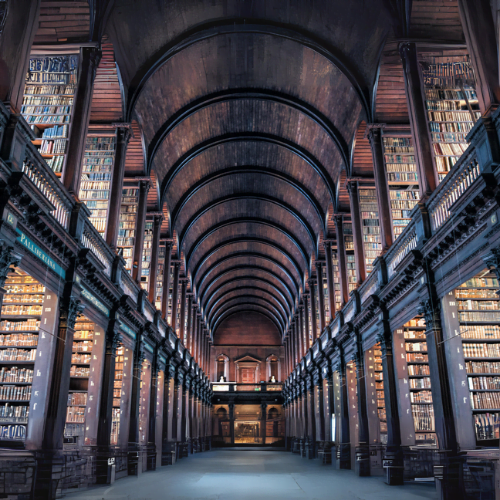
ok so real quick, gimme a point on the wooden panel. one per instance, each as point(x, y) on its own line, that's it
point(390, 101)
point(107, 97)
point(362, 161)
point(134, 162)
point(436, 19)
point(247, 328)
point(63, 21)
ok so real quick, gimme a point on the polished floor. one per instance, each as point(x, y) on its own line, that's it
point(239, 474)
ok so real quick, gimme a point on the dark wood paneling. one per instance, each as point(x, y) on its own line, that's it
point(247, 328)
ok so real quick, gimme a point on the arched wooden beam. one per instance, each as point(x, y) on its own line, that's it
point(258, 309)
point(250, 299)
point(247, 170)
point(232, 241)
point(246, 25)
point(288, 299)
point(246, 254)
point(213, 142)
point(244, 220)
point(278, 278)
point(246, 196)
point(248, 93)
point(249, 291)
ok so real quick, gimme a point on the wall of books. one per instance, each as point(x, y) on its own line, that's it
point(417, 362)
point(401, 170)
point(126, 230)
point(479, 316)
point(97, 174)
point(49, 95)
point(19, 338)
point(452, 105)
point(368, 207)
point(336, 280)
point(159, 277)
point(350, 257)
point(375, 396)
point(117, 395)
point(145, 391)
point(146, 254)
point(170, 294)
point(325, 293)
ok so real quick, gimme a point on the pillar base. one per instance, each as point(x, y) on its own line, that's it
point(190, 446)
point(310, 449)
point(105, 464)
point(324, 449)
point(168, 454)
point(362, 467)
point(449, 479)
point(135, 457)
point(394, 467)
point(343, 456)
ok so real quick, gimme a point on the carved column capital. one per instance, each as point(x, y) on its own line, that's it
point(70, 310)
point(7, 258)
point(430, 310)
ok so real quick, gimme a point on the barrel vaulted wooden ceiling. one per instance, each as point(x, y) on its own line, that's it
point(247, 111)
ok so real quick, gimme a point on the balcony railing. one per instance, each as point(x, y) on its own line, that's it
point(37, 170)
point(454, 185)
point(237, 387)
point(92, 240)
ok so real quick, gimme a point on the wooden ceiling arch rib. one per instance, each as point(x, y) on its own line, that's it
point(248, 301)
point(258, 282)
point(254, 285)
point(246, 270)
point(220, 247)
point(246, 153)
point(245, 309)
point(247, 254)
point(246, 220)
point(211, 310)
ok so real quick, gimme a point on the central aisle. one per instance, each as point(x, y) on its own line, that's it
point(236, 474)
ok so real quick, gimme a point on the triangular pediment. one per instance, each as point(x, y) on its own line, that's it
point(247, 359)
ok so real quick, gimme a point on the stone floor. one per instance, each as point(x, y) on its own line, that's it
point(239, 474)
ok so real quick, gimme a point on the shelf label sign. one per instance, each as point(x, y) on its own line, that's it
point(149, 347)
point(38, 252)
point(127, 330)
point(96, 302)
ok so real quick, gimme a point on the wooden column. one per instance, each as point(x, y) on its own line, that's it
point(153, 274)
point(479, 31)
point(59, 389)
point(300, 336)
point(415, 96)
point(318, 407)
point(306, 321)
point(314, 308)
point(106, 408)
point(343, 455)
point(166, 279)
point(72, 174)
point(382, 187)
point(182, 318)
point(321, 296)
point(329, 278)
point(343, 279)
point(362, 453)
point(189, 327)
point(393, 454)
point(357, 231)
point(115, 193)
point(263, 421)
point(153, 395)
point(135, 395)
point(175, 296)
point(168, 403)
point(139, 230)
point(293, 347)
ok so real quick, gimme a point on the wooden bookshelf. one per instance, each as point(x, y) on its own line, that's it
point(336, 281)
point(401, 171)
point(117, 394)
point(19, 332)
point(170, 294)
point(146, 255)
point(97, 175)
point(48, 101)
point(371, 227)
point(159, 277)
point(126, 230)
point(418, 371)
point(81, 359)
point(350, 257)
point(479, 315)
point(452, 106)
point(325, 293)
point(376, 398)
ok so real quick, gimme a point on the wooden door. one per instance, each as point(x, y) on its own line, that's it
point(248, 375)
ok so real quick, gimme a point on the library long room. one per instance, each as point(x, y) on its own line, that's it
point(250, 249)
